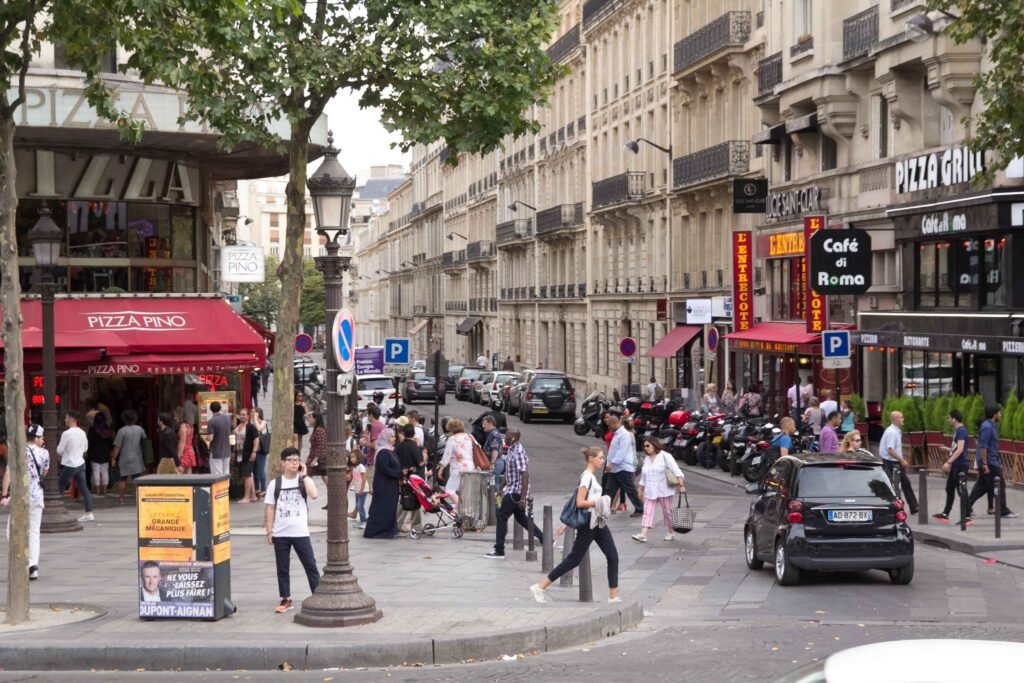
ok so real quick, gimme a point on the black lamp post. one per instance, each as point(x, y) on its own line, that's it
point(338, 600)
point(46, 238)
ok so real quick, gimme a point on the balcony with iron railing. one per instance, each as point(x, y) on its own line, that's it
point(453, 259)
point(594, 9)
point(805, 45)
point(510, 231)
point(860, 32)
point(732, 29)
point(479, 250)
point(721, 161)
point(456, 306)
point(543, 291)
point(625, 187)
point(564, 46)
point(419, 309)
point(559, 218)
point(769, 74)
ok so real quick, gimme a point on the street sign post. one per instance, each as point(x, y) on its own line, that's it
point(835, 352)
point(303, 343)
point(627, 347)
point(343, 340)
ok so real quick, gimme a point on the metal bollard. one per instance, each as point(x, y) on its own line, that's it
point(567, 541)
point(547, 551)
point(531, 549)
point(586, 580)
point(997, 504)
point(962, 490)
point(922, 496)
point(517, 535)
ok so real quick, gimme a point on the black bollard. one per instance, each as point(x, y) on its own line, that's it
point(962, 490)
point(586, 580)
point(922, 496)
point(997, 504)
point(547, 554)
point(531, 549)
point(567, 540)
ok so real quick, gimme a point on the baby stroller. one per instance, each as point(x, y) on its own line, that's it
point(434, 501)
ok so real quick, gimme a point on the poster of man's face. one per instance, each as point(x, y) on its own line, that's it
point(150, 578)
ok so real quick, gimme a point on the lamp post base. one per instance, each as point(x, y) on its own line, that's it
point(338, 602)
point(57, 520)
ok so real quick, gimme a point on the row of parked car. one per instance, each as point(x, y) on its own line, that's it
point(534, 393)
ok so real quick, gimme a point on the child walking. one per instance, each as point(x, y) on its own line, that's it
point(358, 472)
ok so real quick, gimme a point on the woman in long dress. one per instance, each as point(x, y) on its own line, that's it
point(383, 520)
point(458, 457)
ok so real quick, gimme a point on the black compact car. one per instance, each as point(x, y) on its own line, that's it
point(453, 376)
point(464, 384)
point(419, 386)
point(828, 512)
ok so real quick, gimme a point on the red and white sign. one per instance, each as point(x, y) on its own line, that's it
point(815, 309)
point(137, 321)
point(742, 281)
point(343, 340)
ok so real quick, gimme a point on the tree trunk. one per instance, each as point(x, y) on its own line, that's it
point(14, 387)
point(291, 287)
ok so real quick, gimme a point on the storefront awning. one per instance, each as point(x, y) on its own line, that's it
point(418, 327)
point(153, 333)
point(677, 338)
point(468, 324)
point(267, 335)
point(776, 338)
point(770, 136)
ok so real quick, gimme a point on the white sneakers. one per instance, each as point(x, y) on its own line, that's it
point(539, 594)
point(639, 538)
point(87, 517)
point(670, 537)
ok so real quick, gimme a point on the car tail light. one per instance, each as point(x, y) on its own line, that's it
point(394, 394)
point(691, 432)
point(572, 396)
point(796, 515)
point(898, 503)
point(411, 384)
point(529, 395)
point(901, 516)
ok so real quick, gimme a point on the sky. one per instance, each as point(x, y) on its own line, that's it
point(360, 136)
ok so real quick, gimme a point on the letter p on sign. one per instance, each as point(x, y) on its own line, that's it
point(835, 344)
point(396, 351)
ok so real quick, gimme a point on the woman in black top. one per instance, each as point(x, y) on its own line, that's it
point(167, 446)
point(101, 442)
point(299, 427)
point(247, 441)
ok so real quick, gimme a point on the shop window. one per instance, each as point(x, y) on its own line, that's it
point(97, 279)
point(183, 228)
point(149, 231)
point(28, 214)
point(154, 280)
point(995, 265)
point(947, 273)
point(97, 230)
point(185, 280)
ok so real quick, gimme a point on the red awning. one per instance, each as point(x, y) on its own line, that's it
point(169, 364)
point(154, 333)
point(677, 338)
point(267, 335)
point(777, 338)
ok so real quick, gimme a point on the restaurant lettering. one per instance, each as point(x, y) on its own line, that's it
point(742, 282)
point(973, 345)
point(131, 321)
point(928, 171)
point(840, 261)
point(1013, 347)
point(815, 312)
point(916, 341)
point(786, 244)
point(941, 223)
point(793, 202)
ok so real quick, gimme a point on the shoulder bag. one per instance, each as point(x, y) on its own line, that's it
point(670, 477)
point(683, 517)
point(572, 516)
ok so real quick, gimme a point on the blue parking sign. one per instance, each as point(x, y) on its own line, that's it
point(835, 344)
point(396, 351)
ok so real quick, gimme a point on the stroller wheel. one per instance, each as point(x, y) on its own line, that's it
point(456, 532)
point(415, 533)
point(429, 529)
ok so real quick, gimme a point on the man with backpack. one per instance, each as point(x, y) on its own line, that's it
point(287, 524)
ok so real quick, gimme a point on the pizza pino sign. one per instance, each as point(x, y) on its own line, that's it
point(137, 321)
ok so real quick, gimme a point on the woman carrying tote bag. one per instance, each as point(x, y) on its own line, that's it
point(589, 497)
point(658, 478)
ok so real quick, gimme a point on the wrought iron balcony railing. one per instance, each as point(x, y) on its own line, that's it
point(769, 73)
point(563, 216)
point(479, 250)
point(729, 30)
point(564, 46)
point(721, 161)
point(625, 187)
point(860, 32)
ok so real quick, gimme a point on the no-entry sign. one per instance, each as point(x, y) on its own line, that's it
point(627, 347)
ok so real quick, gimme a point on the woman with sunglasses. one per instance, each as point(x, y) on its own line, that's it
point(852, 442)
point(655, 490)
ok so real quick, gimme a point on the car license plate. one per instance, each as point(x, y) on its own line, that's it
point(849, 515)
point(540, 411)
point(716, 440)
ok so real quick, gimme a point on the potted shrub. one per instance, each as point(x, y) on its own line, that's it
point(913, 420)
point(1008, 435)
point(860, 414)
point(935, 420)
point(974, 413)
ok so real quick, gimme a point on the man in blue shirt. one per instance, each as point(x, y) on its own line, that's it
point(620, 464)
point(955, 463)
point(989, 464)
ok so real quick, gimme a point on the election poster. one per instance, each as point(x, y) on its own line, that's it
point(165, 523)
point(176, 590)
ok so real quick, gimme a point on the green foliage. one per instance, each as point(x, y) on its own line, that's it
point(311, 311)
point(261, 301)
point(974, 413)
point(1010, 410)
point(912, 409)
point(859, 409)
point(999, 126)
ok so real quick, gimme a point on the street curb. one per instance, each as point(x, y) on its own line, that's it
point(965, 547)
point(318, 654)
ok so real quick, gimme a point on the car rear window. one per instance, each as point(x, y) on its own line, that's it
point(843, 481)
point(545, 383)
point(380, 383)
point(469, 374)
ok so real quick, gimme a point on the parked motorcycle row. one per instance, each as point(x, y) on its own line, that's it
point(736, 444)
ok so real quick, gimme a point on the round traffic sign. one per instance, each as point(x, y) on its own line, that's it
point(343, 340)
point(627, 347)
point(713, 338)
point(303, 343)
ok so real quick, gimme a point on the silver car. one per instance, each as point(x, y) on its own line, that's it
point(491, 392)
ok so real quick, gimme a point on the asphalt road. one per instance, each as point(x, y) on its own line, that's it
point(713, 619)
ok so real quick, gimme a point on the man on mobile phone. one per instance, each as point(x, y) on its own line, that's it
point(287, 524)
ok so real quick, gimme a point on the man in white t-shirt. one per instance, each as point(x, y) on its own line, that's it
point(72, 449)
point(287, 523)
point(829, 405)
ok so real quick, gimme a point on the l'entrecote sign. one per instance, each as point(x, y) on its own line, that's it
point(938, 169)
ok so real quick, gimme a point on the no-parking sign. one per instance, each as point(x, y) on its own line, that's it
point(627, 347)
point(343, 333)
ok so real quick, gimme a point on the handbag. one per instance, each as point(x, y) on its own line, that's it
point(670, 477)
point(407, 498)
point(480, 459)
point(265, 441)
point(572, 516)
point(683, 517)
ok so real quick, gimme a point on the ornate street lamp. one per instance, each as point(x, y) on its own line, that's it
point(46, 238)
point(338, 600)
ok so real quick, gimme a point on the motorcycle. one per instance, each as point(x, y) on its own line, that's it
point(592, 415)
point(756, 456)
point(313, 391)
point(709, 435)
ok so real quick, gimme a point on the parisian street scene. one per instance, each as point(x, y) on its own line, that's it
point(546, 340)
